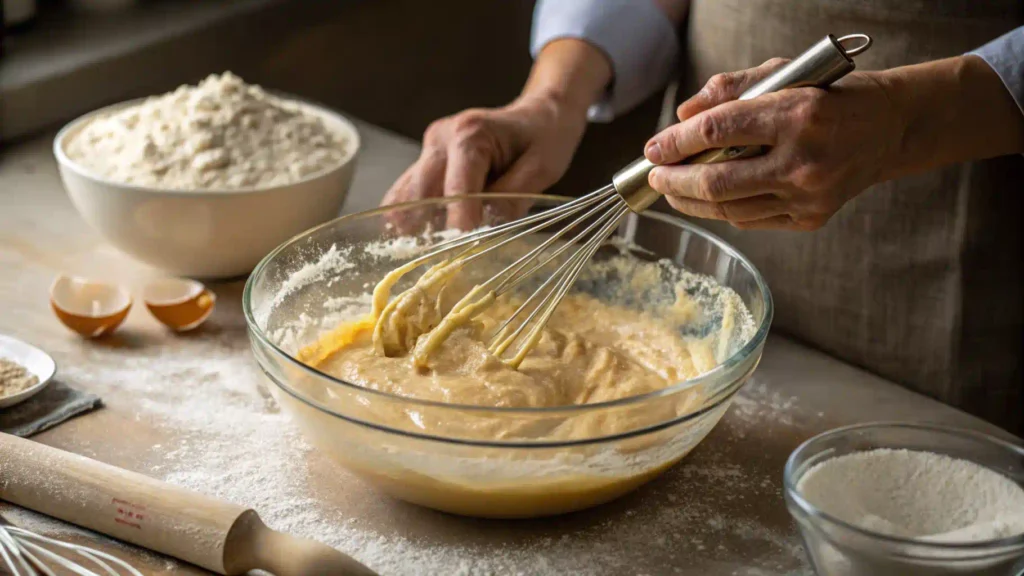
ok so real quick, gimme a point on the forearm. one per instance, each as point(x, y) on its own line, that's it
point(571, 72)
point(954, 110)
point(637, 38)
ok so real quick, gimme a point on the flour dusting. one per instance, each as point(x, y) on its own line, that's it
point(223, 134)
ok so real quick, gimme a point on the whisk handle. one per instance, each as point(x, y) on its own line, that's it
point(822, 64)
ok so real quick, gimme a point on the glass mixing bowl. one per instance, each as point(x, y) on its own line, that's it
point(415, 449)
point(841, 549)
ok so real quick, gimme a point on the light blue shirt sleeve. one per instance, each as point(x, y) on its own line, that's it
point(639, 40)
point(1006, 56)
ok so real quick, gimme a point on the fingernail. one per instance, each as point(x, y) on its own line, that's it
point(653, 152)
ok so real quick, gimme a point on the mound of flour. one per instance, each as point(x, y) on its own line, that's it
point(918, 495)
point(223, 134)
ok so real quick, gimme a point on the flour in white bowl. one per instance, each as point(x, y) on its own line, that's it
point(223, 134)
point(917, 495)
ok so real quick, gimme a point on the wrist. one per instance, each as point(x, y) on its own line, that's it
point(899, 125)
point(570, 74)
point(950, 111)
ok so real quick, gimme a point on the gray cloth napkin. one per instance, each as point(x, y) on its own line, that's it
point(55, 404)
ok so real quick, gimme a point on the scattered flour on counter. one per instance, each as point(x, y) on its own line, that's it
point(223, 134)
point(757, 402)
point(919, 495)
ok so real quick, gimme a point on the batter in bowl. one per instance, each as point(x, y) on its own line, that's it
point(634, 327)
point(590, 351)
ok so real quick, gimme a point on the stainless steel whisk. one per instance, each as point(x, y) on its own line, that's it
point(25, 553)
point(821, 65)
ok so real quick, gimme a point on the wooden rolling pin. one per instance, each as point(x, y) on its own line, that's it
point(225, 538)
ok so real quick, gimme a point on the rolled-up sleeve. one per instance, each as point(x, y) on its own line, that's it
point(1006, 56)
point(639, 40)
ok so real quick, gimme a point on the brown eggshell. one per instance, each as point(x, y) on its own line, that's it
point(179, 304)
point(90, 308)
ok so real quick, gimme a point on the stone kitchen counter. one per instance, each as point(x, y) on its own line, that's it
point(194, 410)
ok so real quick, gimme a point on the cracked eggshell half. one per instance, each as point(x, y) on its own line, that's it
point(90, 308)
point(180, 304)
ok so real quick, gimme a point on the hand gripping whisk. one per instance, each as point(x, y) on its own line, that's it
point(821, 65)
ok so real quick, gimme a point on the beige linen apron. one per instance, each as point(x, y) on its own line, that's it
point(918, 280)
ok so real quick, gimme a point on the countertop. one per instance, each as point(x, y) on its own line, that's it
point(720, 511)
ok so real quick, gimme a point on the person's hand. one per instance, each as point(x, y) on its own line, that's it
point(825, 148)
point(523, 147)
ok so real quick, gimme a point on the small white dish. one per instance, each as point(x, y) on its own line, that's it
point(34, 360)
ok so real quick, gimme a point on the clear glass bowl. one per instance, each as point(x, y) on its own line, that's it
point(840, 549)
point(517, 475)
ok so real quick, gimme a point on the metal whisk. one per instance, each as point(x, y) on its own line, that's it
point(604, 209)
point(25, 553)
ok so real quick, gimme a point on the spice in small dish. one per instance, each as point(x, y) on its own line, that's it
point(14, 378)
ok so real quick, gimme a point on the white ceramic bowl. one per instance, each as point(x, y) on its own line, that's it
point(206, 234)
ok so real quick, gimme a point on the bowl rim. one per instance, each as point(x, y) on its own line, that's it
point(351, 153)
point(736, 359)
point(790, 489)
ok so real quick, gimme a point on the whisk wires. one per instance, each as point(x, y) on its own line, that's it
point(26, 553)
point(595, 217)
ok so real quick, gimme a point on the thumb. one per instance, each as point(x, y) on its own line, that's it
point(728, 86)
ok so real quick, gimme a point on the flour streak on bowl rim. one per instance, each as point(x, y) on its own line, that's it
point(713, 402)
point(350, 135)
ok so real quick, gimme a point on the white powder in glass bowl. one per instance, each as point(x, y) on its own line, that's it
point(917, 495)
point(223, 134)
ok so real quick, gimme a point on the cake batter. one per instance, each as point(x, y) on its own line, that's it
point(589, 352)
point(430, 343)
point(634, 328)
